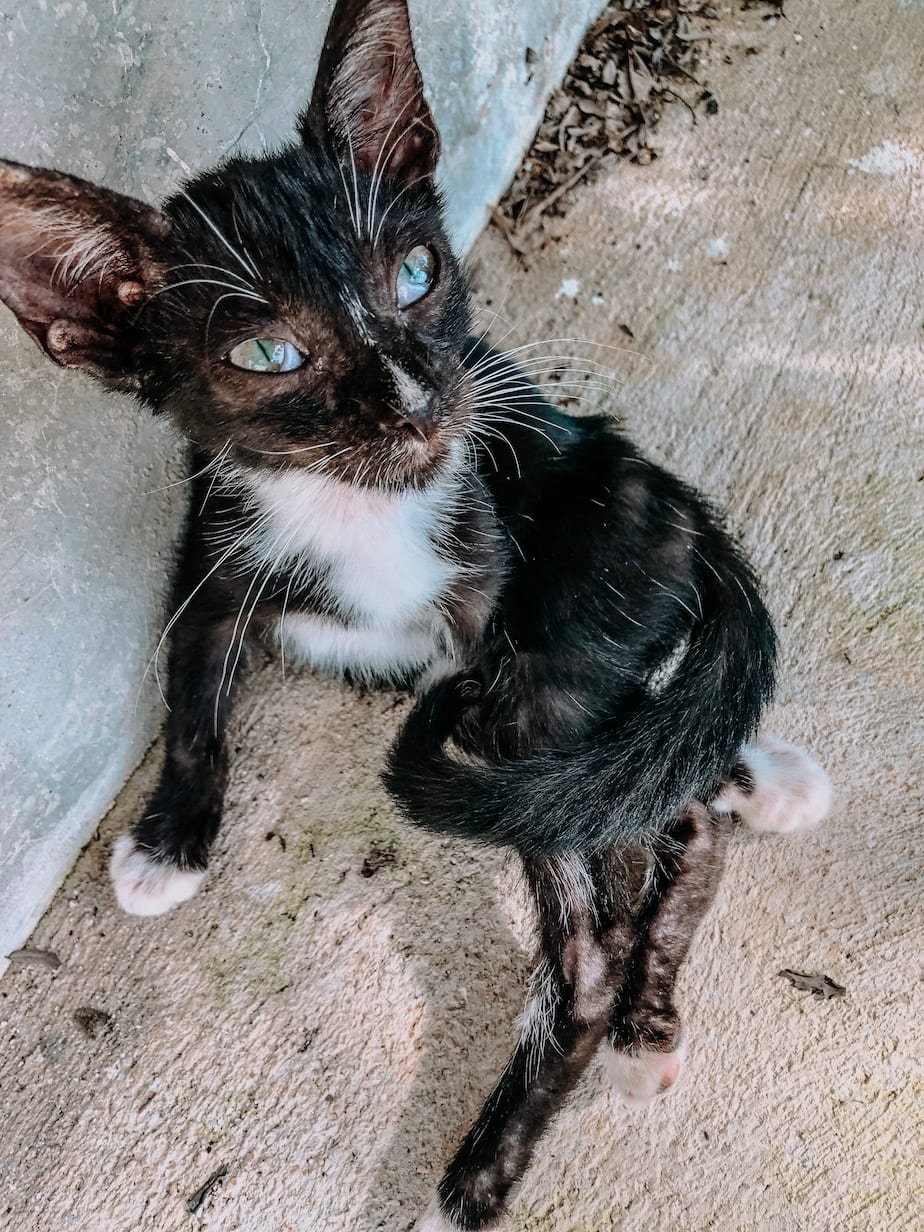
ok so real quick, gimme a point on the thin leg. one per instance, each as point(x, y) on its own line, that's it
point(645, 1029)
point(586, 932)
point(161, 861)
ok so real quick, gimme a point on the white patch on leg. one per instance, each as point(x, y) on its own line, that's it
point(642, 1076)
point(435, 1221)
point(574, 886)
point(585, 967)
point(146, 887)
point(538, 1017)
point(791, 791)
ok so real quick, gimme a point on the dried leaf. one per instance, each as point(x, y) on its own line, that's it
point(91, 1020)
point(194, 1201)
point(820, 986)
point(376, 859)
point(34, 958)
point(641, 81)
point(634, 60)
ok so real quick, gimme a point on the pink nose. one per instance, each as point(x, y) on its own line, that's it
point(420, 417)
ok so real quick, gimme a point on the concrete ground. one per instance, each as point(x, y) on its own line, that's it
point(326, 1036)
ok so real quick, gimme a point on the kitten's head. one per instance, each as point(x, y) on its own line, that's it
point(302, 309)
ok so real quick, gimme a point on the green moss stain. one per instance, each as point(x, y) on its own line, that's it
point(254, 966)
point(220, 1125)
point(349, 835)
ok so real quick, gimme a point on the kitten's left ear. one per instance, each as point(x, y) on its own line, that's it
point(76, 264)
point(368, 98)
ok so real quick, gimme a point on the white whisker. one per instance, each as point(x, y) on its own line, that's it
point(214, 309)
point(378, 171)
point(496, 432)
point(208, 265)
point(355, 182)
point(248, 266)
point(153, 661)
point(177, 483)
point(210, 282)
point(282, 453)
point(492, 417)
point(407, 188)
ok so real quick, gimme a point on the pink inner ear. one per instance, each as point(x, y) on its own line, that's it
point(130, 293)
point(75, 260)
point(370, 92)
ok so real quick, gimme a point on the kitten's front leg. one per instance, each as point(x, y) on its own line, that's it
point(162, 860)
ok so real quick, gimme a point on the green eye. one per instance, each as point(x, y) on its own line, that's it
point(416, 275)
point(266, 355)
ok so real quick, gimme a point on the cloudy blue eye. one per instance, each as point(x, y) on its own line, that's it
point(416, 275)
point(266, 355)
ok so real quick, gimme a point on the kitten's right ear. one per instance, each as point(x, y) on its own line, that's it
point(368, 101)
point(76, 264)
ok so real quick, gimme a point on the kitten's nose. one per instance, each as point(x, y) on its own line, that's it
point(419, 418)
point(415, 405)
point(422, 409)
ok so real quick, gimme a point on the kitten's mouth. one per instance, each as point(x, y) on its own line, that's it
point(420, 446)
point(411, 452)
point(424, 430)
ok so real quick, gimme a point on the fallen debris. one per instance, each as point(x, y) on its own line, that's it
point(91, 1020)
point(639, 56)
point(34, 958)
point(820, 986)
point(376, 859)
point(195, 1200)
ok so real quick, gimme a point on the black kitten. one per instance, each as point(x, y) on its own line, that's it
point(396, 503)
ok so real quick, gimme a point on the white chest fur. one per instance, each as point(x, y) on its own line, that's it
point(374, 554)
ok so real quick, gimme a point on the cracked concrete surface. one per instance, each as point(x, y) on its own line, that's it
point(328, 1035)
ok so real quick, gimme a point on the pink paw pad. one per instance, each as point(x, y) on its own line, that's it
point(789, 791)
point(641, 1076)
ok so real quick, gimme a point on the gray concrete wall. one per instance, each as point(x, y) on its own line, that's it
point(116, 92)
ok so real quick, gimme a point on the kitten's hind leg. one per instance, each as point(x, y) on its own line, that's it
point(161, 861)
point(586, 932)
point(776, 788)
point(646, 1048)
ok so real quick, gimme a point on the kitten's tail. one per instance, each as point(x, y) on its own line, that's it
point(630, 778)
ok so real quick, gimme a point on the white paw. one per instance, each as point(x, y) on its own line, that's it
point(434, 1220)
point(145, 887)
point(641, 1076)
point(791, 791)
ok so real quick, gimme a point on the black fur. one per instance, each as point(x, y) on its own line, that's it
point(600, 651)
point(616, 564)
